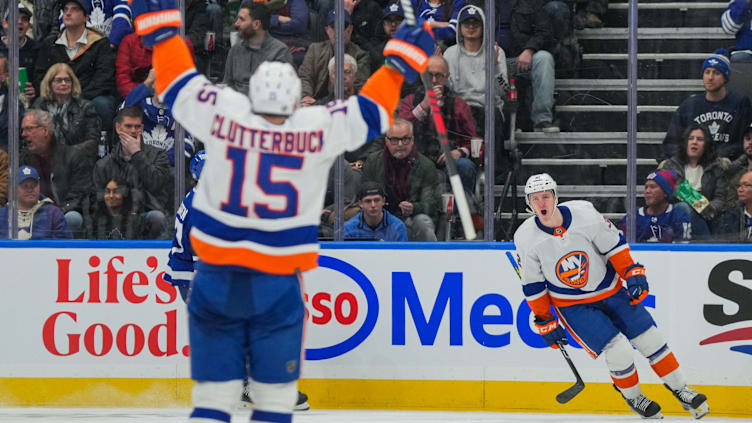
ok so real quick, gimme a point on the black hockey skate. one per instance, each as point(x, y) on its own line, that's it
point(644, 406)
point(692, 401)
point(300, 405)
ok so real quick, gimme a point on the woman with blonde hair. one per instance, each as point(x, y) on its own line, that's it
point(76, 120)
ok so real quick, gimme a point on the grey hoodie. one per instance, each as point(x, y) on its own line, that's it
point(467, 75)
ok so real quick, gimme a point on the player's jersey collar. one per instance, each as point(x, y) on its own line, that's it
point(559, 230)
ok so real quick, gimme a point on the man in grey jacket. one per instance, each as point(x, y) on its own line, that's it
point(255, 46)
point(467, 62)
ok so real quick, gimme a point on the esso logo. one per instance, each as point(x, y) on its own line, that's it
point(341, 309)
point(573, 269)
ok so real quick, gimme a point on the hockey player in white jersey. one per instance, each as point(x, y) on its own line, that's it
point(575, 260)
point(257, 208)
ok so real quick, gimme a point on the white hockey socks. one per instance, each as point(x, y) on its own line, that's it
point(618, 355)
point(273, 402)
point(214, 401)
point(652, 345)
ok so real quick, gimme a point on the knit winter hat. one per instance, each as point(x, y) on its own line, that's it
point(720, 61)
point(666, 179)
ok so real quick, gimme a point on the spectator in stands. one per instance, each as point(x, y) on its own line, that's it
point(76, 120)
point(373, 222)
point(133, 63)
point(290, 25)
point(350, 185)
point(659, 220)
point(4, 100)
point(392, 18)
point(111, 18)
point(532, 58)
point(698, 163)
point(88, 53)
point(364, 15)
point(3, 178)
point(38, 217)
point(348, 80)
point(591, 15)
point(255, 45)
point(442, 16)
point(739, 167)
point(144, 168)
point(314, 75)
point(65, 174)
point(159, 125)
point(458, 119)
point(410, 178)
point(735, 224)
point(726, 114)
point(196, 27)
point(28, 48)
point(115, 216)
point(737, 21)
point(354, 158)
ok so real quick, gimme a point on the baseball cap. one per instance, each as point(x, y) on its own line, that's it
point(470, 12)
point(393, 9)
point(21, 9)
point(330, 17)
point(85, 5)
point(666, 179)
point(370, 188)
point(27, 172)
point(720, 61)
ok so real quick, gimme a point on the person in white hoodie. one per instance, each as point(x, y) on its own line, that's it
point(467, 67)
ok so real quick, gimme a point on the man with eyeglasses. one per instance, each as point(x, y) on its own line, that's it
point(410, 179)
point(314, 73)
point(71, 183)
point(458, 119)
point(735, 224)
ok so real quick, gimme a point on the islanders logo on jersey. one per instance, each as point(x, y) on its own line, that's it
point(573, 268)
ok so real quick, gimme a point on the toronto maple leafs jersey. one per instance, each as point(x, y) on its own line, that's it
point(110, 17)
point(726, 119)
point(430, 12)
point(159, 125)
point(181, 261)
point(737, 21)
point(673, 225)
point(570, 264)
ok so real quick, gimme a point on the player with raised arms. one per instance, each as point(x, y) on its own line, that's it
point(575, 260)
point(257, 208)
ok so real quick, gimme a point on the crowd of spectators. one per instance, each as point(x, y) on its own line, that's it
point(101, 144)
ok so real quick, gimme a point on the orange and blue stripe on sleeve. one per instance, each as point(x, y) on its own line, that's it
point(536, 295)
point(173, 66)
point(621, 260)
point(383, 88)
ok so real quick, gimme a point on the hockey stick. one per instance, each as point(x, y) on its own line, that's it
point(441, 131)
point(579, 385)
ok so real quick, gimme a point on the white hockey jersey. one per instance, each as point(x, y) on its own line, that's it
point(578, 262)
point(262, 189)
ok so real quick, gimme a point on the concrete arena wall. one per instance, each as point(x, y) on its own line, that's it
point(410, 326)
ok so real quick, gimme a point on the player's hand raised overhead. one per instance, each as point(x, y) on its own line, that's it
point(637, 283)
point(155, 20)
point(551, 332)
point(409, 49)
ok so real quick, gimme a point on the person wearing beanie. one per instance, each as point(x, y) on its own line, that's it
point(726, 114)
point(659, 220)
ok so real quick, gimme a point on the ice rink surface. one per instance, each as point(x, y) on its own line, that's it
point(123, 415)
